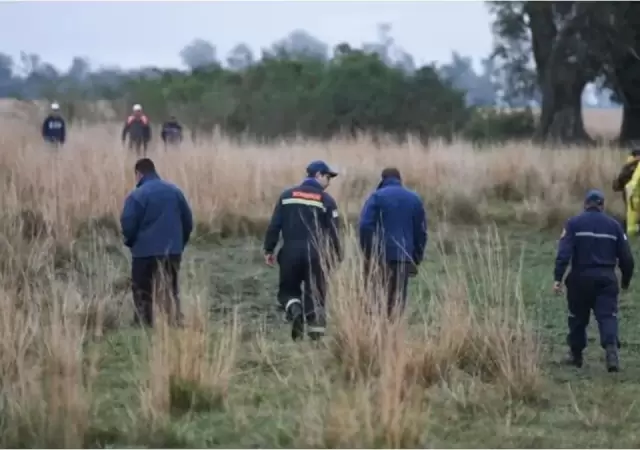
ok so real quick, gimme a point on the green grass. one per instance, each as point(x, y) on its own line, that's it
point(274, 399)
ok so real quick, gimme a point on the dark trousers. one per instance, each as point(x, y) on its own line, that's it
point(140, 147)
point(394, 276)
point(599, 294)
point(155, 281)
point(300, 268)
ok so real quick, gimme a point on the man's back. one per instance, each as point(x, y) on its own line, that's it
point(396, 215)
point(306, 215)
point(595, 242)
point(157, 220)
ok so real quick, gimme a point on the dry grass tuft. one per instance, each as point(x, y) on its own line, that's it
point(189, 367)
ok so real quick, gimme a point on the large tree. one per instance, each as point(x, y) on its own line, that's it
point(571, 44)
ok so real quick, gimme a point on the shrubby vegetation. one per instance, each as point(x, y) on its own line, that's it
point(298, 87)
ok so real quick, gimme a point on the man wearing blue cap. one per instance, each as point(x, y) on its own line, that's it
point(307, 217)
point(594, 243)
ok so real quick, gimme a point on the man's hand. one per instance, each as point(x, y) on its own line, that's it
point(557, 287)
point(412, 270)
point(624, 287)
point(270, 259)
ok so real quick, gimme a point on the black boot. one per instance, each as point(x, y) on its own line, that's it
point(574, 359)
point(294, 314)
point(611, 358)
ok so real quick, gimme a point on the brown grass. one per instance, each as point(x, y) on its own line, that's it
point(369, 384)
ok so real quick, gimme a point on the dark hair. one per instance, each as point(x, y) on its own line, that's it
point(391, 172)
point(145, 166)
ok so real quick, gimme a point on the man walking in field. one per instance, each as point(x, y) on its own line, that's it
point(156, 223)
point(54, 128)
point(139, 130)
point(594, 243)
point(171, 133)
point(393, 236)
point(307, 217)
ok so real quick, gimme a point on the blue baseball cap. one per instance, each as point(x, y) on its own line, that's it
point(321, 167)
point(594, 196)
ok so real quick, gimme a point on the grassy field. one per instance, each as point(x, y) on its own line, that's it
point(475, 363)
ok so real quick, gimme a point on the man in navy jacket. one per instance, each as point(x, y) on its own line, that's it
point(156, 223)
point(54, 130)
point(593, 243)
point(393, 235)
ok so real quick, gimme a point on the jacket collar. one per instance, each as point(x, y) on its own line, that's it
point(148, 177)
point(312, 182)
point(389, 182)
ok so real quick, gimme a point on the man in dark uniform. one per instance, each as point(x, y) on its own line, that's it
point(156, 223)
point(139, 130)
point(171, 133)
point(307, 217)
point(594, 243)
point(54, 129)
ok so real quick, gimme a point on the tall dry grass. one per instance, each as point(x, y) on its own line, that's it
point(369, 379)
point(234, 187)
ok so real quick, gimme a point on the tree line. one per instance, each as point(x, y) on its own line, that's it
point(299, 86)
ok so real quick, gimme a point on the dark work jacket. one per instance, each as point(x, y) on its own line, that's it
point(594, 243)
point(624, 177)
point(306, 216)
point(393, 222)
point(171, 132)
point(156, 219)
point(54, 129)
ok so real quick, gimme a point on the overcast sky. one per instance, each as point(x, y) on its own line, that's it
point(134, 34)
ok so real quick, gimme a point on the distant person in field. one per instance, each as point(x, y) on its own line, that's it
point(627, 172)
point(594, 244)
point(393, 236)
point(54, 129)
point(156, 223)
point(138, 129)
point(171, 133)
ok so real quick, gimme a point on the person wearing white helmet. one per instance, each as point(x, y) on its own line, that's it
point(139, 130)
point(54, 130)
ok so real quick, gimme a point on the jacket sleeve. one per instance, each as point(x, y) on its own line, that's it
point(367, 225)
point(623, 177)
point(63, 132)
point(186, 216)
point(130, 220)
point(333, 225)
point(125, 130)
point(565, 251)
point(163, 133)
point(625, 258)
point(419, 232)
point(45, 128)
point(273, 231)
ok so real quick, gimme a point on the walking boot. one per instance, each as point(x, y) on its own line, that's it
point(574, 359)
point(294, 314)
point(611, 358)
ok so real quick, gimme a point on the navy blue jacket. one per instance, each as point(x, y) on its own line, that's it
point(54, 129)
point(594, 243)
point(393, 221)
point(156, 219)
point(306, 215)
